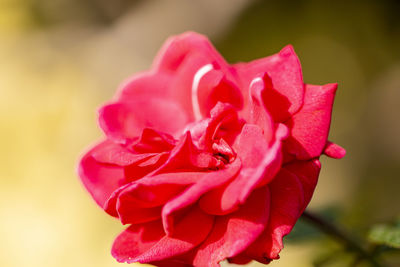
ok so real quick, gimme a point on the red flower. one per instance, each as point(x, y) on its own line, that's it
point(208, 161)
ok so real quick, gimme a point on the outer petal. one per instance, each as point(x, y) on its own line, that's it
point(188, 57)
point(285, 72)
point(173, 73)
point(287, 202)
point(233, 233)
point(124, 121)
point(147, 85)
point(177, 48)
point(147, 243)
point(115, 154)
point(135, 240)
point(193, 193)
point(291, 191)
point(100, 179)
point(173, 262)
point(142, 200)
point(334, 151)
point(240, 259)
point(307, 172)
point(310, 126)
point(184, 86)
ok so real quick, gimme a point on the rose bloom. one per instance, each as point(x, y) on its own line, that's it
point(207, 161)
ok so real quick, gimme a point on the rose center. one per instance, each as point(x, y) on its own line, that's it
point(223, 152)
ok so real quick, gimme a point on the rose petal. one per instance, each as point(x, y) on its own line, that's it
point(145, 167)
point(147, 85)
point(186, 157)
point(152, 191)
point(135, 240)
point(285, 72)
point(174, 70)
point(334, 151)
point(214, 88)
point(277, 103)
point(142, 200)
point(287, 202)
point(100, 179)
point(260, 164)
point(224, 123)
point(194, 79)
point(233, 233)
point(152, 141)
point(124, 121)
point(193, 193)
point(258, 111)
point(184, 83)
point(177, 48)
point(186, 56)
point(310, 126)
point(145, 243)
point(307, 172)
point(171, 262)
point(134, 215)
point(111, 153)
point(132, 173)
point(240, 259)
point(110, 206)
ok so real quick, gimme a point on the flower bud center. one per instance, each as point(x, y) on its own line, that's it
point(222, 151)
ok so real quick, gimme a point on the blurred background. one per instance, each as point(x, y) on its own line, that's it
point(61, 59)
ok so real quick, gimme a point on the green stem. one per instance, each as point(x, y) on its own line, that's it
point(341, 236)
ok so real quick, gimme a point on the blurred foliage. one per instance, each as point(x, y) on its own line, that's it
point(386, 234)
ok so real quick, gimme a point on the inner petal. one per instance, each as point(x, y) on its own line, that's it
point(224, 123)
point(195, 86)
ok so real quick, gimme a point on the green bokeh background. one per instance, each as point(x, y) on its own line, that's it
point(61, 59)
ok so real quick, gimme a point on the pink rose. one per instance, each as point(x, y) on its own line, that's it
point(208, 161)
